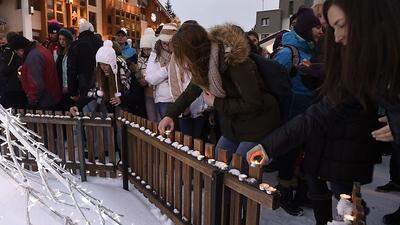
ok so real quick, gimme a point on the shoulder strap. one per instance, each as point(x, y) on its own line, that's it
point(295, 54)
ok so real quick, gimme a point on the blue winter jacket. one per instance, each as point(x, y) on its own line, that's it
point(284, 57)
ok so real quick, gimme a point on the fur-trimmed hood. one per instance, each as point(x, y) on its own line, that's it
point(236, 48)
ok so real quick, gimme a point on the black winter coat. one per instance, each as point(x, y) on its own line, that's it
point(82, 62)
point(11, 92)
point(338, 141)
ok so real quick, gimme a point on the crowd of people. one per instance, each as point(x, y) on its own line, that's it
point(320, 108)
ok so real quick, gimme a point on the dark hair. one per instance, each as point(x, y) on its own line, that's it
point(292, 18)
point(11, 35)
point(253, 33)
point(191, 48)
point(369, 64)
point(190, 22)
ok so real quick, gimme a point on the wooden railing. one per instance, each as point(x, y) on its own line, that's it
point(186, 183)
point(189, 187)
point(85, 144)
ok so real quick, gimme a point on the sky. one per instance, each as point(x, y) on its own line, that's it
point(213, 12)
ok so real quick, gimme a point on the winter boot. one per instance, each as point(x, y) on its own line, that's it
point(287, 201)
point(322, 206)
point(392, 219)
point(301, 197)
point(389, 187)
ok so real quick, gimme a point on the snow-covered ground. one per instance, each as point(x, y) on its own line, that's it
point(137, 211)
point(379, 203)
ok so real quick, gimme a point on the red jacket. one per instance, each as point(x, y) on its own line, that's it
point(39, 78)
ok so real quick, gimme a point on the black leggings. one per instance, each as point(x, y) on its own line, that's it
point(318, 187)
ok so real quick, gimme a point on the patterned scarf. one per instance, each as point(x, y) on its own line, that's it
point(214, 77)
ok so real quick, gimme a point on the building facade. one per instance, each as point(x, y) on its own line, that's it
point(269, 22)
point(107, 16)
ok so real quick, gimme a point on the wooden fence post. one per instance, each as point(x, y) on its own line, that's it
point(79, 127)
point(124, 155)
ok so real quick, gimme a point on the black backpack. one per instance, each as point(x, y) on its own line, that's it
point(276, 78)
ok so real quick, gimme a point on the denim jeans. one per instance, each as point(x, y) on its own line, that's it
point(161, 109)
point(192, 126)
point(240, 148)
point(151, 109)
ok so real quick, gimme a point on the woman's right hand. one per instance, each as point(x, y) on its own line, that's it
point(167, 123)
point(74, 111)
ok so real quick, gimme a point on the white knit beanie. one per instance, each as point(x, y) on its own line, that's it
point(148, 39)
point(167, 32)
point(106, 55)
point(85, 25)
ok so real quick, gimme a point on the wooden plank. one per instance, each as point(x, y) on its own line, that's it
point(50, 135)
point(252, 193)
point(150, 164)
point(253, 208)
point(139, 156)
point(204, 168)
point(144, 161)
point(209, 150)
point(208, 201)
point(111, 150)
point(149, 158)
point(60, 142)
point(197, 187)
point(223, 155)
point(235, 212)
point(159, 204)
point(90, 147)
point(178, 137)
point(187, 184)
point(199, 146)
point(178, 186)
point(226, 218)
point(163, 168)
point(70, 145)
point(100, 149)
point(156, 177)
point(187, 192)
point(170, 180)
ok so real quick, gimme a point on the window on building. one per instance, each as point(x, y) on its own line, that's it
point(92, 20)
point(92, 2)
point(263, 36)
point(291, 8)
point(265, 21)
point(34, 3)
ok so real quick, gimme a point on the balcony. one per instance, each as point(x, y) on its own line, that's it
point(123, 6)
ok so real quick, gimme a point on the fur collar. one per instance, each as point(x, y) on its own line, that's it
point(236, 48)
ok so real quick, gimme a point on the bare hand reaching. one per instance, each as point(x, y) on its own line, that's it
point(165, 124)
point(384, 134)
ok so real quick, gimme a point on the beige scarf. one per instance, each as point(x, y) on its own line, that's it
point(178, 79)
point(214, 77)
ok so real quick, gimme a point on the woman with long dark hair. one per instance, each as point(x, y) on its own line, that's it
point(65, 39)
point(112, 87)
point(228, 81)
point(362, 70)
